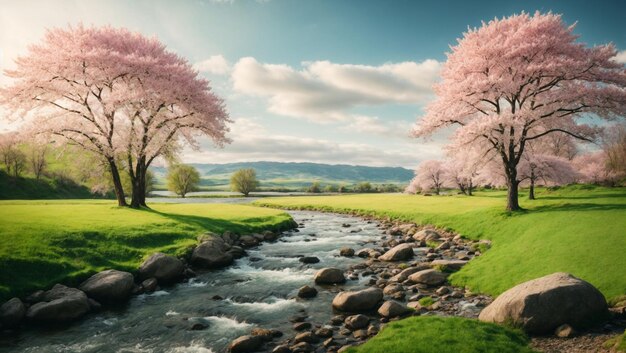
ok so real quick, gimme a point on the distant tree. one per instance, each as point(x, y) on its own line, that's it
point(115, 93)
point(182, 179)
point(429, 175)
point(13, 158)
point(315, 188)
point(38, 159)
point(330, 188)
point(519, 79)
point(614, 147)
point(342, 189)
point(387, 188)
point(593, 168)
point(551, 170)
point(363, 187)
point(244, 181)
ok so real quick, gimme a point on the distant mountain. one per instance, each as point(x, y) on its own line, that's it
point(280, 174)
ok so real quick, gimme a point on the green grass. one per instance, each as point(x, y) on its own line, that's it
point(431, 334)
point(27, 187)
point(45, 242)
point(426, 301)
point(578, 229)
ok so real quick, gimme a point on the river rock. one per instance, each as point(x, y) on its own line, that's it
point(347, 252)
point(109, 286)
point(268, 235)
point(358, 301)
point(60, 304)
point(429, 277)
point(392, 308)
point(212, 253)
point(307, 292)
point(452, 265)
point(149, 285)
point(543, 304)
point(11, 313)
point(308, 337)
point(404, 275)
point(426, 235)
point(329, 275)
point(309, 259)
point(398, 253)
point(355, 322)
point(245, 344)
point(248, 241)
point(165, 268)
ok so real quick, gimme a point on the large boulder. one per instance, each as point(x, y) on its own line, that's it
point(329, 275)
point(109, 286)
point(212, 253)
point(245, 344)
point(543, 304)
point(60, 304)
point(12, 313)
point(392, 308)
point(358, 301)
point(398, 253)
point(429, 277)
point(165, 268)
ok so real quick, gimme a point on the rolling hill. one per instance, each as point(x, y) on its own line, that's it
point(297, 175)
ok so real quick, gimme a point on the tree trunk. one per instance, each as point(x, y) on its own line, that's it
point(512, 203)
point(531, 192)
point(139, 185)
point(470, 186)
point(117, 183)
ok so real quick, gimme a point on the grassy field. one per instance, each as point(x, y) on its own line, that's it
point(428, 334)
point(578, 229)
point(45, 242)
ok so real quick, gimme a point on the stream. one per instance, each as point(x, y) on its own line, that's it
point(259, 290)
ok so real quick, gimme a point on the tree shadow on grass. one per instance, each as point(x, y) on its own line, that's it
point(568, 207)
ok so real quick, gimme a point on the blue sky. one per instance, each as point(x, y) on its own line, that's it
point(322, 81)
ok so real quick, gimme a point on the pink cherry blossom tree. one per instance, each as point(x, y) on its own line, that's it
point(117, 94)
point(462, 167)
point(550, 170)
point(519, 79)
point(429, 175)
point(593, 168)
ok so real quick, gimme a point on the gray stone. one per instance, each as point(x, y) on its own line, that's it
point(109, 286)
point(12, 312)
point(165, 268)
point(213, 253)
point(543, 304)
point(355, 322)
point(60, 304)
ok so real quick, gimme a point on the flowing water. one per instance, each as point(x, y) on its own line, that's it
point(258, 291)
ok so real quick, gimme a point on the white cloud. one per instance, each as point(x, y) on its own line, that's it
point(216, 64)
point(324, 91)
point(252, 142)
point(621, 57)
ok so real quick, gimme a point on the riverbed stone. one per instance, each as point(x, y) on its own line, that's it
point(109, 286)
point(329, 275)
point(245, 344)
point(543, 304)
point(12, 313)
point(429, 277)
point(358, 301)
point(448, 265)
point(400, 252)
point(150, 285)
point(308, 337)
point(347, 252)
point(404, 275)
point(248, 241)
point(212, 253)
point(392, 308)
point(268, 235)
point(427, 235)
point(309, 259)
point(60, 304)
point(355, 322)
point(166, 269)
point(307, 292)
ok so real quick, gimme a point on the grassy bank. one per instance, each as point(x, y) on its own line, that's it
point(30, 188)
point(578, 229)
point(428, 334)
point(45, 242)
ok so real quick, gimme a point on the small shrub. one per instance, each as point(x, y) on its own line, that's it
point(426, 301)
